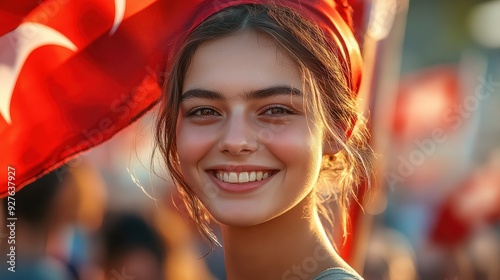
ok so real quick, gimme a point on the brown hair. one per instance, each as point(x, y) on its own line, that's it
point(330, 100)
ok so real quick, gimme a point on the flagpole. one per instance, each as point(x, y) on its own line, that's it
point(382, 52)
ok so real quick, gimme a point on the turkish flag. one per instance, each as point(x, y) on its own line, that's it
point(73, 73)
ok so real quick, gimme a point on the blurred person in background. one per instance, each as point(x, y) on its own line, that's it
point(42, 209)
point(57, 215)
point(464, 229)
point(130, 247)
point(159, 248)
point(389, 256)
point(73, 240)
point(185, 259)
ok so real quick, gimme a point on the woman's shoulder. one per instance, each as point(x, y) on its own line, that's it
point(337, 273)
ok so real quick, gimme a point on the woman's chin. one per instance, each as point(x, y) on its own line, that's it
point(239, 217)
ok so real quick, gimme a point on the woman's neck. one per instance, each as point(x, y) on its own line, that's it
point(291, 245)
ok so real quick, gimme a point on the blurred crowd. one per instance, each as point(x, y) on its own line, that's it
point(65, 230)
point(439, 211)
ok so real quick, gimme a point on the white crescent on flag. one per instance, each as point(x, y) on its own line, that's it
point(15, 47)
point(119, 13)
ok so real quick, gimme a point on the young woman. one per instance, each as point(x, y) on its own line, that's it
point(258, 127)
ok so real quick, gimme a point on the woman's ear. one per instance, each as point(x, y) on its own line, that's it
point(330, 146)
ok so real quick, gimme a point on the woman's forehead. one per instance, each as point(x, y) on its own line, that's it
point(246, 61)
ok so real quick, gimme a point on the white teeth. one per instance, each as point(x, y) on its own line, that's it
point(253, 177)
point(241, 177)
point(233, 178)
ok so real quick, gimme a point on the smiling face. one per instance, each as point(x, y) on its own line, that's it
point(247, 147)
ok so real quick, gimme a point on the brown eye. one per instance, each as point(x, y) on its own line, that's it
point(278, 110)
point(275, 111)
point(203, 112)
point(206, 112)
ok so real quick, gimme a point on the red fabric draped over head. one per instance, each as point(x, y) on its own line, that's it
point(334, 18)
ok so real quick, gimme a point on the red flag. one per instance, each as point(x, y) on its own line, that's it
point(73, 73)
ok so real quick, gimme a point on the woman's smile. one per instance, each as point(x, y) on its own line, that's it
point(241, 177)
point(242, 182)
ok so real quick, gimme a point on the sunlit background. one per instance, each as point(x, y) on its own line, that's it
point(435, 125)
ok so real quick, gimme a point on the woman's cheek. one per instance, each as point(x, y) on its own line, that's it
point(193, 143)
point(296, 146)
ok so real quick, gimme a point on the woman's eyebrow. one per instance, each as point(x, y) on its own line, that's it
point(201, 93)
point(273, 91)
point(256, 94)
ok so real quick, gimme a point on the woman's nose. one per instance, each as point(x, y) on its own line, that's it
point(238, 137)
